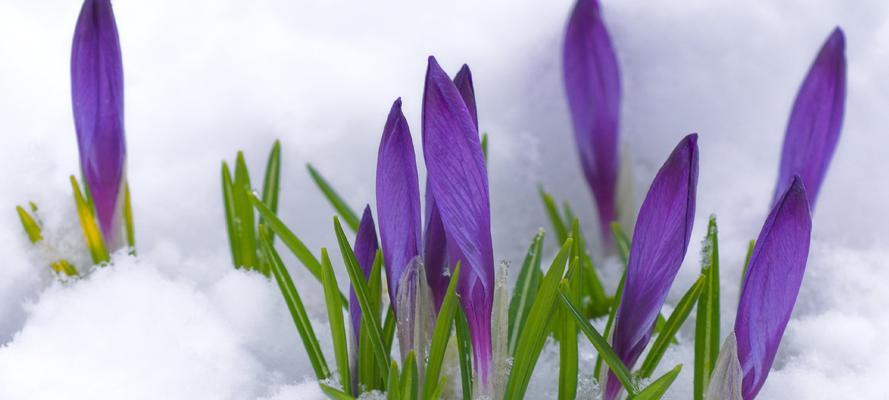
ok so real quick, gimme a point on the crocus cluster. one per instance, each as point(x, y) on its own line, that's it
point(97, 97)
point(458, 219)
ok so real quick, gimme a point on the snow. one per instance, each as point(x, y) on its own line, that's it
point(208, 77)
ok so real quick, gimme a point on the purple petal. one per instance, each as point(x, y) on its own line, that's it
point(660, 240)
point(365, 252)
point(592, 85)
point(435, 255)
point(398, 198)
point(771, 285)
point(463, 82)
point(459, 184)
point(97, 99)
point(816, 120)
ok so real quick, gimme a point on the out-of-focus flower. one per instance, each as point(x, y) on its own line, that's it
point(592, 85)
point(365, 250)
point(660, 240)
point(816, 120)
point(97, 97)
point(771, 285)
point(458, 181)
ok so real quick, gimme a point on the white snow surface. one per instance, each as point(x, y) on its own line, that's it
point(205, 78)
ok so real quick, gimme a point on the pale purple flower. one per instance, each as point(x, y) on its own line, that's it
point(592, 86)
point(816, 120)
point(97, 99)
point(660, 240)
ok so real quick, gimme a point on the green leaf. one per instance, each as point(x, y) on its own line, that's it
point(409, 378)
point(464, 353)
point(599, 302)
point(389, 329)
point(533, 335)
point(335, 320)
point(622, 242)
point(668, 333)
point(30, 225)
point(297, 310)
point(553, 213)
point(568, 359)
point(364, 299)
point(750, 247)
point(707, 320)
point(659, 387)
point(94, 241)
point(525, 290)
point(231, 215)
point(335, 200)
point(602, 347)
point(440, 335)
point(609, 325)
point(393, 389)
point(272, 182)
point(245, 222)
point(296, 246)
point(128, 219)
point(485, 146)
point(334, 393)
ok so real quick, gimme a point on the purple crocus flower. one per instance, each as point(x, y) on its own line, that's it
point(459, 183)
point(365, 251)
point(771, 285)
point(660, 240)
point(398, 198)
point(97, 97)
point(816, 120)
point(435, 246)
point(592, 86)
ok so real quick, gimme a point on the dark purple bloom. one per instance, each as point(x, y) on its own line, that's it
point(816, 120)
point(771, 285)
point(459, 183)
point(660, 240)
point(365, 251)
point(398, 198)
point(97, 97)
point(592, 85)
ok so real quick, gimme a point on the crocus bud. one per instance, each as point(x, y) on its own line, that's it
point(592, 86)
point(771, 285)
point(398, 199)
point(97, 97)
point(459, 183)
point(815, 122)
point(660, 240)
point(365, 250)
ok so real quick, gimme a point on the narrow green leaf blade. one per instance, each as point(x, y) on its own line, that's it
point(552, 211)
point(272, 182)
point(30, 225)
point(297, 311)
point(335, 200)
point(707, 320)
point(602, 347)
point(410, 378)
point(128, 220)
point(621, 241)
point(464, 353)
point(532, 337)
point(231, 215)
point(440, 335)
point(668, 333)
point(393, 388)
point(568, 346)
point(364, 299)
point(245, 222)
point(658, 388)
point(334, 393)
point(525, 290)
point(336, 322)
